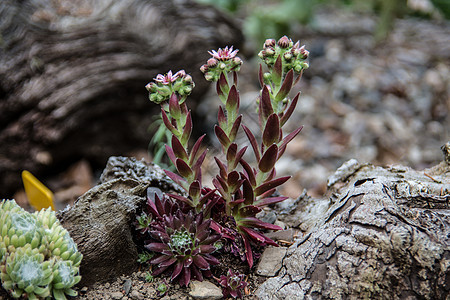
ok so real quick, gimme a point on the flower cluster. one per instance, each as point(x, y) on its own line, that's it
point(291, 55)
point(38, 257)
point(165, 85)
point(240, 190)
point(223, 60)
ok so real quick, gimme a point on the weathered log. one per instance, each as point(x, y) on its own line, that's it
point(386, 235)
point(101, 221)
point(72, 75)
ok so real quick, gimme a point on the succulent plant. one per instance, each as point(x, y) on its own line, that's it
point(18, 227)
point(25, 273)
point(184, 243)
point(65, 276)
point(232, 284)
point(240, 189)
point(39, 258)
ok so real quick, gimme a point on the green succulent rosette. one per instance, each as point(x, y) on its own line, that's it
point(26, 274)
point(59, 242)
point(65, 276)
point(18, 228)
point(38, 258)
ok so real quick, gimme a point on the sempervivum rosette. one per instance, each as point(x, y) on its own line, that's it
point(18, 227)
point(38, 258)
point(65, 276)
point(185, 243)
point(26, 274)
point(60, 244)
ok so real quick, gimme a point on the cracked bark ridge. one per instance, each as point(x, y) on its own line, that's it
point(386, 235)
point(72, 75)
point(101, 221)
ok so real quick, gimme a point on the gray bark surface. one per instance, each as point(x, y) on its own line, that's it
point(386, 235)
point(72, 75)
point(101, 221)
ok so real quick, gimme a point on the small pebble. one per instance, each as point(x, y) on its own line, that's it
point(136, 295)
point(127, 286)
point(116, 295)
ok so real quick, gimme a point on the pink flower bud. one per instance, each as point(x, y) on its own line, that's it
point(151, 87)
point(269, 43)
point(303, 52)
point(284, 42)
point(212, 62)
point(204, 68)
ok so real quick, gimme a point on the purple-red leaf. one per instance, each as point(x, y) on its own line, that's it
point(231, 152)
point(218, 89)
point(183, 168)
point(257, 223)
point(222, 168)
point(271, 133)
point(222, 137)
point(181, 198)
point(248, 250)
point(287, 114)
point(178, 179)
point(187, 129)
point(223, 83)
point(177, 270)
point(200, 262)
point(170, 154)
point(233, 100)
point(167, 123)
point(233, 178)
point(195, 189)
point(174, 107)
point(249, 211)
point(221, 118)
point(178, 149)
point(260, 76)
point(235, 127)
point(271, 185)
point(198, 165)
point(268, 201)
point(290, 137)
point(253, 142)
point(157, 247)
point(265, 104)
point(258, 237)
point(235, 78)
point(269, 158)
point(195, 149)
point(248, 172)
point(277, 70)
point(247, 192)
point(239, 156)
point(286, 87)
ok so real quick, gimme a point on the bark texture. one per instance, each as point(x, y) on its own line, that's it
point(101, 221)
point(386, 235)
point(72, 75)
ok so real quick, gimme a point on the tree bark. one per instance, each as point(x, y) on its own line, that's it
point(386, 235)
point(72, 75)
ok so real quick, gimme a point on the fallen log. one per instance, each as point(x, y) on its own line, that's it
point(72, 75)
point(386, 235)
